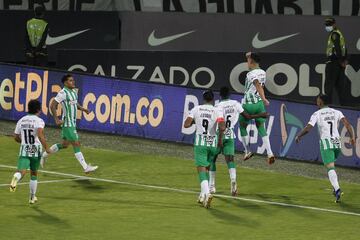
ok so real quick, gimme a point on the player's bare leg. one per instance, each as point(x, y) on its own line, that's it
point(18, 175)
point(54, 148)
point(232, 173)
point(245, 141)
point(262, 132)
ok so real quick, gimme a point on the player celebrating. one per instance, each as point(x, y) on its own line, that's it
point(29, 133)
point(328, 120)
point(253, 103)
point(69, 100)
point(231, 110)
point(206, 117)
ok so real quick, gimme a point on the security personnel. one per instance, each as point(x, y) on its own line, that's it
point(35, 39)
point(336, 53)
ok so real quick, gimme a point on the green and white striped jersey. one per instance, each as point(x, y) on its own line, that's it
point(27, 127)
point(251, 95)
point(231, 110)
point(206, 118)
point(68, 99)
point(328, 120)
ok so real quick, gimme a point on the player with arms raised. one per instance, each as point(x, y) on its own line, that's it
point(29, 133)
point(207, 119)
point(254, 102)
point(231, 111)
point(327, 120)
point(68, 99)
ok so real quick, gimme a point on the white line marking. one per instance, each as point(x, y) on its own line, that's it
point(47, 181)
point(194, 192)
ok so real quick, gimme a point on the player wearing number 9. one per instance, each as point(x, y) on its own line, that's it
point(328, 120)
point(29, 133)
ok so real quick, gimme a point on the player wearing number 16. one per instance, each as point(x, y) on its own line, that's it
point(328, 120)
point(29, 133)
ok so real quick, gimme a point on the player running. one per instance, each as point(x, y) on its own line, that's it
point(29, 133)
point(327, 120)
point(253, 103)
point(68, 99)
point(231, 110)
point(207, 118)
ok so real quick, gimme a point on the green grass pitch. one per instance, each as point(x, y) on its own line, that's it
point(114, 203)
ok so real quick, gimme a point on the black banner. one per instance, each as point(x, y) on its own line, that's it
point(289, 76)
point(66, 30)
point(298, 7)
point(233, 32)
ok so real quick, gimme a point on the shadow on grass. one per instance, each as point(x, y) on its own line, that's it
point(233, 219)
point(88, 185)
point(45, 218)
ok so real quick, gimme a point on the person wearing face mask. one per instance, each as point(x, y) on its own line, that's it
point(336, 53)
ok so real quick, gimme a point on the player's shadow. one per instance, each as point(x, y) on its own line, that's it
point(348, 207)
point(88, 185)
point(45, 218)
point(233, 219)
point(246, 205)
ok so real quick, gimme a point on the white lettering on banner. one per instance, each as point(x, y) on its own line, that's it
point(320, 68)
point(203, 69)
point(76, 67)
point(190, 101)
point(157, 76)
point(139, 70)
point(235, 75)
point(354, 77)
point(185, 73)
point(99, 71)
point(304, 85)
point(291, 76)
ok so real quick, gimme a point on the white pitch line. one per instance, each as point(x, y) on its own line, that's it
point(194, 192)
point(47, 181)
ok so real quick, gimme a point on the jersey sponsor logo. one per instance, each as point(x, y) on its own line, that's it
point(209, 140)
point(156, 41)
point(31, 149)
point(257, 43)
point(55, 40)
point(288, 121)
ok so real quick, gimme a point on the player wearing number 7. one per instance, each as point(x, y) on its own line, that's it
point(328, 120)
point(29, 133)
point(68, 99)
point(231, 110)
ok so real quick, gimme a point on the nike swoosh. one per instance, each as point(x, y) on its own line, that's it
point(154, 41)
point(257, 43)
point(358, 44)
point(54, 40)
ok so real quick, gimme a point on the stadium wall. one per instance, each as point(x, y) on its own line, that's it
point(157, 111)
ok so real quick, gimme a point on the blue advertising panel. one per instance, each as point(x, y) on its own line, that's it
point(157, 111)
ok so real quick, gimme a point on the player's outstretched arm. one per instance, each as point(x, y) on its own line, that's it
point(261, 92)
point(42, 139)
point(251, 116)
point(82, 108)
point(349, 129)
point(188, 122)
point(53, 107)
point(17, 138)
point(303, 132)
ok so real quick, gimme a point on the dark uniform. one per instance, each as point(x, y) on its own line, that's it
point(35, 39)
point(336, 60)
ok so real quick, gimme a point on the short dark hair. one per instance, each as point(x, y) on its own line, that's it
point(325, 98)
point(39, 10)
point(208, 95)
point(65, 78)
point(254, 56)
point(224, 92)
point(34, 106)
point(329, 21)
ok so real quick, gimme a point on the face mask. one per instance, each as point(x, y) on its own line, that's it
point(329, 28)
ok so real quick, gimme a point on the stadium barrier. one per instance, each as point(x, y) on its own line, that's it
point(298, 77)
point(157, 111)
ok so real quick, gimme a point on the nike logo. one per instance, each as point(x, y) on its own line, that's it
point(257, 43)
point(54, 40)
point(358, 44)
point(154, 41)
